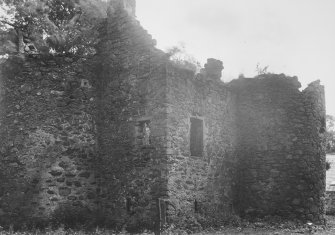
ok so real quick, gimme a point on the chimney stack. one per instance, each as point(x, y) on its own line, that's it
point(213, 68)
point(128, 5)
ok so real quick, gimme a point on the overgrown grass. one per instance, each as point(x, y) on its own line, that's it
point(62, 231)
point(270, 226)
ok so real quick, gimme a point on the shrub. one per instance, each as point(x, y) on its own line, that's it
point(180, 58)
point(328, 165)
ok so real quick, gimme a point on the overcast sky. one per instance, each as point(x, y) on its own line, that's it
point(295, 37)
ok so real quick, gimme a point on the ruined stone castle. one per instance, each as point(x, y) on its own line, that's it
point(140, 140)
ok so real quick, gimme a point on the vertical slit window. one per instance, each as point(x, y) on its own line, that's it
point(128, 205)
point(196, 209)
point(196, 137)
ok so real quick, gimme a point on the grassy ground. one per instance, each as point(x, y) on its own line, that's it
point(246, 229)
point(251, 229)
point(281, 229)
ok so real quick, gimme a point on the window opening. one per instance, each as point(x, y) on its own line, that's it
point(196, 137)
point(128, 205)
point(144, 133)
point(196, 209)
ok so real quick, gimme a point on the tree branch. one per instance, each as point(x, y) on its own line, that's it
point(8, 23)
point(73, 21)
point(50, 24)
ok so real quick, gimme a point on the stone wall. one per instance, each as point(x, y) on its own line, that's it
point(281, 159)
point(117, 132)
point(131, 123)
point(203, 183)
point(47, 137)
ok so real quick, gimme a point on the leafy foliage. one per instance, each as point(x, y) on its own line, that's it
point(61, 26)
point(330, 134)
point(261, 70)
point(182, 59)
point(328, 165)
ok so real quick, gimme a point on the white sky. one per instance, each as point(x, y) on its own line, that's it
point(295, 37)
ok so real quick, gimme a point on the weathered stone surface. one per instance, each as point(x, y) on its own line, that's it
point(126, 128)
point(70, 174)
point(280, 151)
point(62, 179)
point(50, 192)
point(206, 178)
point(84, 174)
point(72, 198)
point(64, 191)
point(63, 164)
point(56, 171)
point(90, 195)
point(77, 183)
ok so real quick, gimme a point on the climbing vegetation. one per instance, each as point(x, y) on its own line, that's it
point(181, 58)
point(330, 134)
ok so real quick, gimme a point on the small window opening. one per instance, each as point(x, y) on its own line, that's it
point(196, 209)
point(128, 205)
point(144, 133)
point(196, 137)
